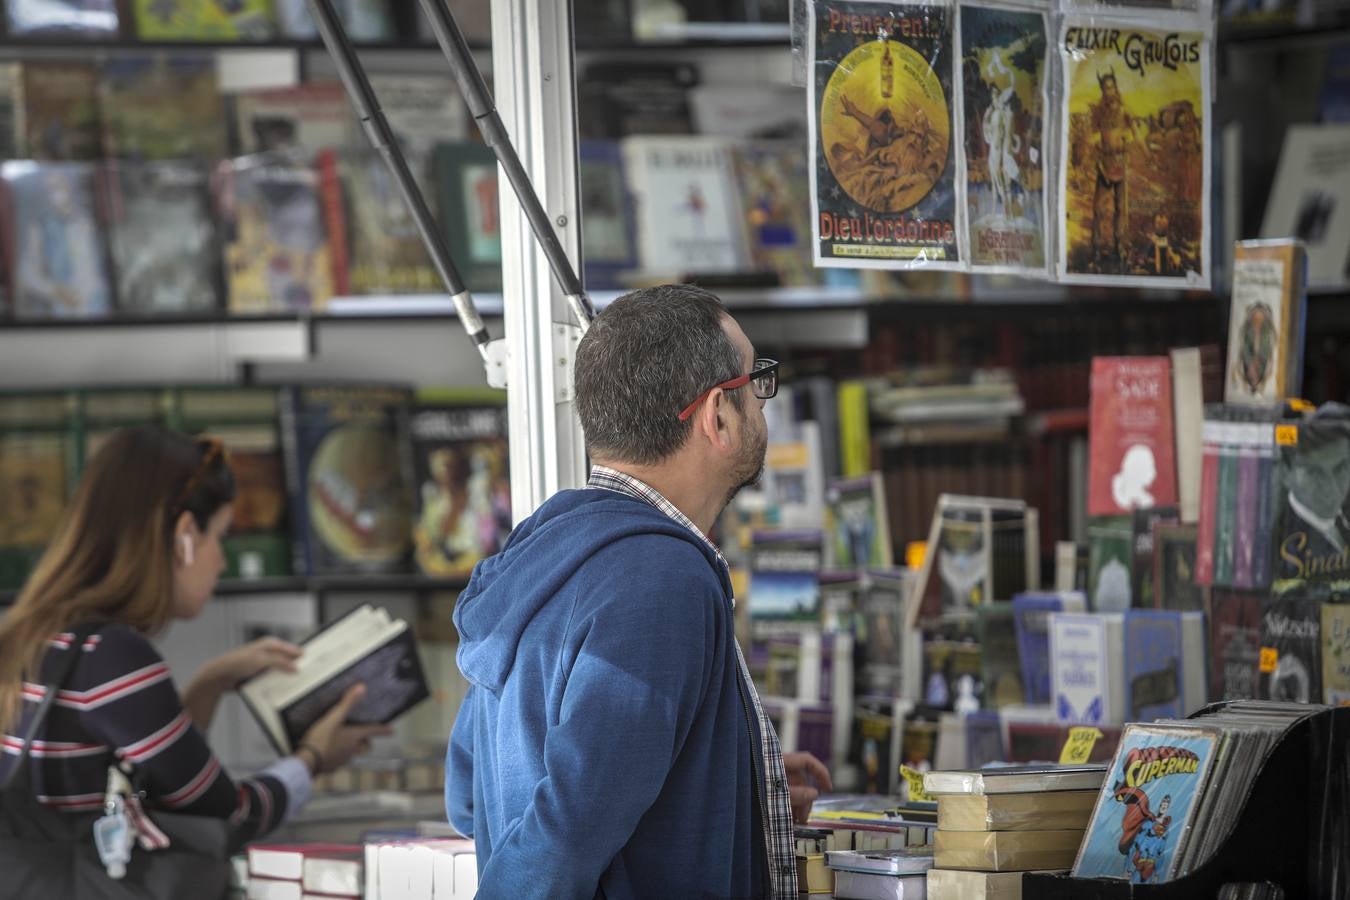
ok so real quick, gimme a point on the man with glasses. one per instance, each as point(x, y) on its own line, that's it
point(611, 744)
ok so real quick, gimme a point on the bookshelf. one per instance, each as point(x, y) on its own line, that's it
point(323, 586)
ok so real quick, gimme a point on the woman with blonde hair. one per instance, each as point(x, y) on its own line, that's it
point(138, 546)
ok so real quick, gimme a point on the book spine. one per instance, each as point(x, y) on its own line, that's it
point(855, 443)
point(1246, 522)
point(1266, 529)
point(1209, 498)
point(335, 219)
point(288, 400)
point(1225, 520)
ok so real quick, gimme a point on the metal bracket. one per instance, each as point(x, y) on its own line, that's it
point(565, 340)
point(494, 363)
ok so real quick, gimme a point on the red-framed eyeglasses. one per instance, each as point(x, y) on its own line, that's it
point(762, 378)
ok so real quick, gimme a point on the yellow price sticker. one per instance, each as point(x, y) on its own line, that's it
point(1298, 404)
point(1286, 435)
point(914, 779)
point(1078, 748)
point(1270, 658)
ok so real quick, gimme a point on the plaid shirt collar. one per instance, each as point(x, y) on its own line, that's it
point(778, 807)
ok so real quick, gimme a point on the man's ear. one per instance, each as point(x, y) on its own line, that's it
point(713, 422)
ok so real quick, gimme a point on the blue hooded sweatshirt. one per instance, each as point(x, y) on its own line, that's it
point(603, 749)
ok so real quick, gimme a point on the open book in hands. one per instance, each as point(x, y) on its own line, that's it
point(367, 645)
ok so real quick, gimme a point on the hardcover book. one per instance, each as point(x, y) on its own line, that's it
point(61, 116)
point(874, 749)
point(1143, 521)
point(1002, 667)
point(1164, 664)
point(366, 646)
point(303, 119)
point(1032, 811)
point(198, 20)
point(1314, 496)
point(859, 532)
point(56, 258)
point(345, 450)
point(1131, 450)
point(775, 202)
point(1310, 198)
point(1087, 668)
point(462, 477)
point(607, 221)
point(1146, 807)
point(688, 211)
point(1031, 616)
point(162, 237)
point(784, 575)
point(1006, 851)
point(365, 20)
point(1234, 644)
point(467, 177)
point(1267, 321)
point(277, 255)
point(1110, 563)
point(1291, 651)
point(979, 549)
point(1336, 654)
point(58, 19)
point(1014, 780)
point(156, 107)
point(1174, 584)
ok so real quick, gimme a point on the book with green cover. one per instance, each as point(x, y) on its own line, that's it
point(203, 20)
point(1225, 520)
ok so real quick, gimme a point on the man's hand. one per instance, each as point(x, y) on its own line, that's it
point(802, 769)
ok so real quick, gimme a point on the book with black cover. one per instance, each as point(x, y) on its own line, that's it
point(367, 646)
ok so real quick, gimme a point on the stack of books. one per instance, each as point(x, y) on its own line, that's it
point(299, 871)
point(994, 824)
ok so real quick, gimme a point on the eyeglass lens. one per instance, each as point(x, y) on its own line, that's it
point(766, 385)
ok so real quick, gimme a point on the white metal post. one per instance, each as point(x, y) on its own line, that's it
point(535, 88)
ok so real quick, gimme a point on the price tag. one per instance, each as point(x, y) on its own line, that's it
point(915, 781)
point(1286, 435)
point(1298, 404)
point(1270, 658)
point(1078, 748)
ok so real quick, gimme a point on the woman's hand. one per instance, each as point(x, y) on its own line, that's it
point(244, 662)
point(227, 670)
point(330, 742)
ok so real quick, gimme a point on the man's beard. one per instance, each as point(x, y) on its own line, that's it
point(750, 467)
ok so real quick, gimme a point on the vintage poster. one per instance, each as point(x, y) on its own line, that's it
point(883, 183)
point(1003, 102)
point(1135, 173)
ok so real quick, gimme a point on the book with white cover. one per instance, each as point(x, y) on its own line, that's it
point(1015, 780)
point(1087, 668)
point(368, 646)
point(688, 208)
point(1310, 199)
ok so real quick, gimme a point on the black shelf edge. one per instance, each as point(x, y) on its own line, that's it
point(132, 45)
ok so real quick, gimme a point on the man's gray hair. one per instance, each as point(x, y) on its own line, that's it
point(646, 357)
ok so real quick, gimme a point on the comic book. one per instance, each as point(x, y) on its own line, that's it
point(196, 20)
point(608, 223)
point(347, 474)
point(162, 236)
point(1003, 82)
point(785, 576)
point(1146, 808)
point(1136, 157)
point(859, 534)
point(62, 18)
point(461, 471)
point(157, 107)
point(57, 261)
point(884, 190)
point(304, 119)
point(276, 248)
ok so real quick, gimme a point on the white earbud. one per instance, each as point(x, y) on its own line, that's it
point(187, 549)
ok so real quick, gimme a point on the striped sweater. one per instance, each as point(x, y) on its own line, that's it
point(120, 702)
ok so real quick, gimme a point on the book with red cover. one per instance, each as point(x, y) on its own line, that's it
point(1131, 449)
point(1234, 644)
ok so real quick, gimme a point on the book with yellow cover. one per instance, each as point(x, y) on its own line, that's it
point(1015, 812)
point(1007, 851)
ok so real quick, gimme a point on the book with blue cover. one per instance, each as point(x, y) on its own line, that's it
point(1031, 622)
point(1144, 813)
point(785, 575)
point(1153, 664)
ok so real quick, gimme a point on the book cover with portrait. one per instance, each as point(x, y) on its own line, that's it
point(1131, 452)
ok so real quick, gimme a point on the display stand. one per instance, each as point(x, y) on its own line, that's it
point(1294, 830)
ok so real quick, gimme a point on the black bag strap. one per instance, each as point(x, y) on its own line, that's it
point(64, 666)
